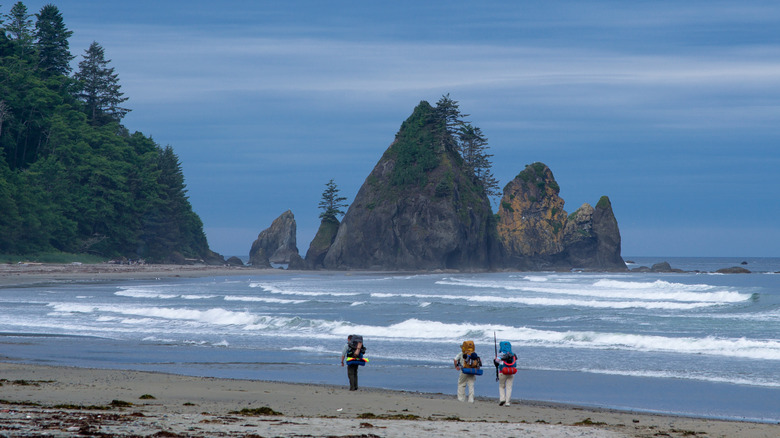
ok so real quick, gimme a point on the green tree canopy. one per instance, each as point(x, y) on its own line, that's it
point(19, 25)
point(72, 178)
point(473, 148)
point(99, 88)
point(51, 37)
point(331, 203)
point(470, 143)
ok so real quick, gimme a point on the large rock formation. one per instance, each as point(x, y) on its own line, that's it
point(592, 238)
point(275, 244)
point(321, 243)
point(531, 214)
point(419, 208)
point(537, 233)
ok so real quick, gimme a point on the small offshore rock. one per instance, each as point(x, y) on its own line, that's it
point(234, 261)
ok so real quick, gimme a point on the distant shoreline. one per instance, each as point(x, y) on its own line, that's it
point(32, 273)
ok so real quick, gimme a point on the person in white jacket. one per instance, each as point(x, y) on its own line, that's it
point(506, 362)
point(464, 380)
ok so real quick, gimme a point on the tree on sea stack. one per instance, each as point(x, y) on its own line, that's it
point(331, 203)
point(332, 207)
point(473, 148)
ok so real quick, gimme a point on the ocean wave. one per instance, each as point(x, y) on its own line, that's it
point(658, 290)
point(561, 302)
point(262, 299)
point(276, 289)
point(434, 331)
point(688, 375)
point(217, 316)
point(147, 294)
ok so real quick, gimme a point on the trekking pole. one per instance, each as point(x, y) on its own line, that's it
point(495, 347)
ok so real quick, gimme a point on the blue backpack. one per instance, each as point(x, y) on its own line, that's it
point(510, 359)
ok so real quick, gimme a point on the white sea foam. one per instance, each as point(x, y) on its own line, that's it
point(145, 294)
point(262, 299)
point(136, 321)
point(658, 290)
point(689, 375)
point(157, 339)
point(152, 294)
point(216, 316)
point(357, 303)
point(275, 289)
point(764, 349)
point(561, 302)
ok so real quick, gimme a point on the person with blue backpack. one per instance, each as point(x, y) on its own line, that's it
point(506, 367)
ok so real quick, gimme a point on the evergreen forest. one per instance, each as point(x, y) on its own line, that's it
point(73, 178)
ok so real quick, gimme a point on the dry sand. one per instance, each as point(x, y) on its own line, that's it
point(58, 401)
point(61, 402)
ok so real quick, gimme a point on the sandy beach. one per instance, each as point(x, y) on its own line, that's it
point(39, 400)
point(56, 401)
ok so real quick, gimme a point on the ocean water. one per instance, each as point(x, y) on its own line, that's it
point(697, 344)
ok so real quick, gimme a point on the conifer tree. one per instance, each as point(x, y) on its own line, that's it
point(19, 27)
point(331, 203)
point(448, 111)
point(99, 88)
point(469, 141)
point(473, 148)
point(51, 38)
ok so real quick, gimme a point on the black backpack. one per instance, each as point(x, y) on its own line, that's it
point(353, 343)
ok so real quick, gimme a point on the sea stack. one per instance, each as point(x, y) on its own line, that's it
point(276, 244)
point(538, 234)
point(418, 209)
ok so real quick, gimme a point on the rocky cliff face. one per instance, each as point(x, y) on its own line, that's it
point(537, 233)
point(531, 214)
point(321, 243)
point(275, 244)
point(418, 209)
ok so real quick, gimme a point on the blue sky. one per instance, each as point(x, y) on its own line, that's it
point(672, 109)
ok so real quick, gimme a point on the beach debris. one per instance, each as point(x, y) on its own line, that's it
point(589, 422)
point(120, 404)
point(369, 415)
point(265, 410)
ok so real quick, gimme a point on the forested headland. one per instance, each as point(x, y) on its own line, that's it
point(73, 178)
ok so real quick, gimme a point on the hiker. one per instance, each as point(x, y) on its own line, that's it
point(467, 362)
point(506, 364)
point(353, 350)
